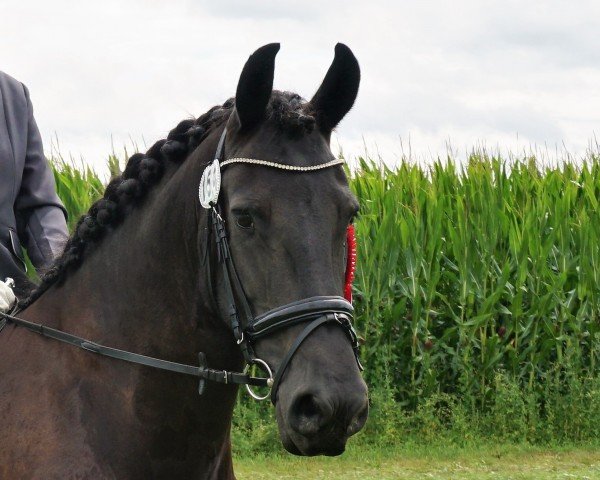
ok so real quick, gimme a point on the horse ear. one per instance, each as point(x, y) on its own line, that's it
point(337, 93)
point(255, 85)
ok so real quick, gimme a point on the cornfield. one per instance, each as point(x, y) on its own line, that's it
point(78, 188)
point(464, 273)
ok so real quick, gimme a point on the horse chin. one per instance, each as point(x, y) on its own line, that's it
point(311, 446)
point(306, 447)
point(289, 445)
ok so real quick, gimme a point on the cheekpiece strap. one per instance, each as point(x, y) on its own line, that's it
point(233, 287)
point(219, 152)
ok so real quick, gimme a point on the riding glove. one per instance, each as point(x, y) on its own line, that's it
point(7, 297)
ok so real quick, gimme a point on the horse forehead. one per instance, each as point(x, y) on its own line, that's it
point(312, 190)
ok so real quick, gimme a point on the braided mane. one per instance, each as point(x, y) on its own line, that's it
point(144, 170)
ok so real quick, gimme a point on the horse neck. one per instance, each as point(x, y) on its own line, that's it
point(142, 279)
point(143, 288)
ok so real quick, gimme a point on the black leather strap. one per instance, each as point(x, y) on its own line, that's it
point(221, 145)
point(231, 281)
point(297, 312)
point(201, 371)
point(311, 327)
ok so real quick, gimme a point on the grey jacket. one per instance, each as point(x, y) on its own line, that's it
point(31, 214)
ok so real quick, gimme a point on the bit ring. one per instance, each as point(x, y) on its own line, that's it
point(264, 365)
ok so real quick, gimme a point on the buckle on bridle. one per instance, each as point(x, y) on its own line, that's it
point(216, 212)
point(349, 328)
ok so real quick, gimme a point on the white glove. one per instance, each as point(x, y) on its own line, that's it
point(7, 297)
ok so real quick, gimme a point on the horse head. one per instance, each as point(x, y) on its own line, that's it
point(286, 229)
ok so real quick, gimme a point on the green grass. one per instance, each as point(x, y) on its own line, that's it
point(474, 463)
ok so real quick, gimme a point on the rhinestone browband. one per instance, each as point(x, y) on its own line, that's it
point(282, 166)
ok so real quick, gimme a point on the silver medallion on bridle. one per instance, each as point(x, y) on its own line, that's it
point(210, 185)
point(210, 182)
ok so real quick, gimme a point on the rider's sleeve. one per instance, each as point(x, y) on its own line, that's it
point(41, 216)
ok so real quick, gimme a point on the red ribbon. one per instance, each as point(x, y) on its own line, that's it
point(350, 262)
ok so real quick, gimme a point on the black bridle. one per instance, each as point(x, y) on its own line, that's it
point(313, 311)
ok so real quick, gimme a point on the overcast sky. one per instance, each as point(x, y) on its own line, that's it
point(506, 74)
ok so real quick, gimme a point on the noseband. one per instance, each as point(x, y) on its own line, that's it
point(313, 311)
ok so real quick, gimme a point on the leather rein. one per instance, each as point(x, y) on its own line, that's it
point(313, 311)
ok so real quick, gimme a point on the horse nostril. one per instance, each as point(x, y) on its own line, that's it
point(308, 415)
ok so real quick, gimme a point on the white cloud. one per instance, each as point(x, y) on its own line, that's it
point(500, 73)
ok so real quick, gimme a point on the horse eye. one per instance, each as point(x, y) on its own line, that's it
point(245, 221)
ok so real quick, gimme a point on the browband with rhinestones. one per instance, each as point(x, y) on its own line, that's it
point(282, 166)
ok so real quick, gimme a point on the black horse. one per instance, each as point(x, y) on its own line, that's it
point(142, 273)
